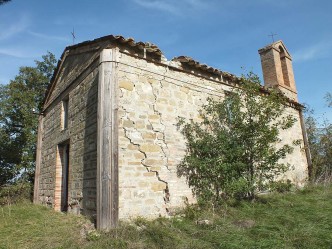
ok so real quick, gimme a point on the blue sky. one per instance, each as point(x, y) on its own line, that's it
point(225, 34)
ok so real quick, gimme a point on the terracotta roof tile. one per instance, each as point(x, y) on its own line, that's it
point(150, 47)
point(186, 60)
point(153, 49)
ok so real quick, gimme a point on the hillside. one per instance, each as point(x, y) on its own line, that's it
point(302, 219)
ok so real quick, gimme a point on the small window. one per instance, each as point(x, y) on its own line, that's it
point(65, 103)
point(230, 100)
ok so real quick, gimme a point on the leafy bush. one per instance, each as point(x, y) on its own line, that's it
point(282, 186)
point(232, 152)
point(18, 192)
point(320, 144)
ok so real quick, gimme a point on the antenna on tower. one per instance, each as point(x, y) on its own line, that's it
point(272, 36)
point(74, 37)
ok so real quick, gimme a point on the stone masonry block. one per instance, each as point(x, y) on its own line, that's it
point(150, 148)
point(149, 135)
point(129, 86)
point(153, 162)
point(128, 123)
point(132, 147)
point(149, 174)
point(158, 186)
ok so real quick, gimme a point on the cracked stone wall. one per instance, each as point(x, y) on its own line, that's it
point(150, 146)
point(151, 98)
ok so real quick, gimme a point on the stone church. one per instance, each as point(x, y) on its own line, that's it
point(108, 146)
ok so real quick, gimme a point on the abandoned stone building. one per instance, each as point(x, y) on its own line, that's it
point(108, 145)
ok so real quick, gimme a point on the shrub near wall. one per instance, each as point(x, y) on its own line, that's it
point(15, 193)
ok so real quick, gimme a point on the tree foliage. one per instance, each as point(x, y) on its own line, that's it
point(232, 152)
point(320, 144)
point(20, 104)
point(4, 1)
point(328, 98)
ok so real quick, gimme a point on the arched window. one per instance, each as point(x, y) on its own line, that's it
point(284, 66)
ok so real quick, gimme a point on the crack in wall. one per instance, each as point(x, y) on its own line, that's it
point(167, 193)
point(148, 167)
point(127, 134)
point(164, 126)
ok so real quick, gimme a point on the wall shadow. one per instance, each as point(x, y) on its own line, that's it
point(89, 201)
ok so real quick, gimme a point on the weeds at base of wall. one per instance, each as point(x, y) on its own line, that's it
point(324, 179)
point(282, 186)
point(276, 220)
point(299, 219)
point(16, 193)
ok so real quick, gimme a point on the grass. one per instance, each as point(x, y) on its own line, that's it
point(302, 219)
point(28, 226)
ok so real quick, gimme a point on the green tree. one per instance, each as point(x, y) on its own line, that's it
point(328, 98)
point(232, 152)
point(320, 144)
point(4, 1)
point(20, 104)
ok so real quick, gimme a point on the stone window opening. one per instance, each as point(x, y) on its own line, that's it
point(284, 67)
point(228, 98)
point(64, 113)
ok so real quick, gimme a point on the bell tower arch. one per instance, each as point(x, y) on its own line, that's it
point(277, 68)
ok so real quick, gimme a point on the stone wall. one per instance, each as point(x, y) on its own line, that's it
point(81, 135)
point(297, 159)
point(152, 97)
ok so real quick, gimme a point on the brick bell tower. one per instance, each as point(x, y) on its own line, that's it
point(277, 69)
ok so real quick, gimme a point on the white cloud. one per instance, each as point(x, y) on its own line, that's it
point(14, 28)
point(319, 50)
point(49, 37)
point(70, 21)
point(18, 53)
point(159, 5)
point(195, 3)
point(176, 7)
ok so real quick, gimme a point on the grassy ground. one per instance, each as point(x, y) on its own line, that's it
point(293, 220)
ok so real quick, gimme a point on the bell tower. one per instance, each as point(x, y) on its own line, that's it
point(277, 69)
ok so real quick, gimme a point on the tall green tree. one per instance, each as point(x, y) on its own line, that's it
point(4, 1)
point(328, 98)
point(232, 152)
point(320, 143)
point(20, 104)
